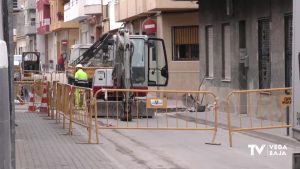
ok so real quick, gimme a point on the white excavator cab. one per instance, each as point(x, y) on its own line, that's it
point(148, 62)
point(137, 62)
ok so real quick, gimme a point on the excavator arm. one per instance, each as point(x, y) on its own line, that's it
point(93, 50)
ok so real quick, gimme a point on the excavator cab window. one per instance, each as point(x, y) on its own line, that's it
point(138, 63)
point(31, 61)
point(157, 63)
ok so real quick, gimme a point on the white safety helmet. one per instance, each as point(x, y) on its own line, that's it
point(79, 66)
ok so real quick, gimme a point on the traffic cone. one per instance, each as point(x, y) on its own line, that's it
point(31, 106)
point(44, 102)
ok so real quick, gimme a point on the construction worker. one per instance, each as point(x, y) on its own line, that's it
point(81, 80)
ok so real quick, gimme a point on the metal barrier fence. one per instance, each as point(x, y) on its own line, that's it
point(59, 76)
point(74, 104)
point(33, 75)
point(249, 110)
point(155, 110)
point(23, 90)
point(52, 94)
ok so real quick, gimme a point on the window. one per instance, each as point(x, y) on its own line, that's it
point(288, 39)
point(15, 3)
point(32, 21)
point(209, 50)
point(264, 53)
point(185, 43)
point(226, 52)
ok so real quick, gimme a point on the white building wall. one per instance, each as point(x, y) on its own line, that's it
point(52, 51)
point(40, 47)
point(112, 18)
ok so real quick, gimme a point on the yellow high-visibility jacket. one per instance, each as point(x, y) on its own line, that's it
point(81, 75)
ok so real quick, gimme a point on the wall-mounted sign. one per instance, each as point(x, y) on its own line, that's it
point(157, 103)
point(286, 100)
point(64, 42)
point(149, 26)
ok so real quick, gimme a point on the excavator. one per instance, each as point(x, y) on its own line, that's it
point(30, 68)
point(125, 61)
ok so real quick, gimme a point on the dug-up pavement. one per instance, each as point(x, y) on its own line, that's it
point(41, 143)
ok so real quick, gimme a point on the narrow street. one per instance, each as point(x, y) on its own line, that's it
point(150, 84)
point(41, 143)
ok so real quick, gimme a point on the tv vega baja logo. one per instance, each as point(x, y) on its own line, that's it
point(271, 150)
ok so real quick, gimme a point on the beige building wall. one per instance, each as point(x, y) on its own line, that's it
point(55, 48)
point(183, 75)
point(73, 36)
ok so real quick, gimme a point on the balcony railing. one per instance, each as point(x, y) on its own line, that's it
point(92, 2)
point(67, 6)
point(73, 2)
point(92, 7)
point(74, 10)
point(45, 22)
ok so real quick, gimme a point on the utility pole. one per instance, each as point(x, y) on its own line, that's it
point(7, 151)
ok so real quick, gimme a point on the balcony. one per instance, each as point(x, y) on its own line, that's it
point(92, 7)
point(57, 18)
point(74, 11)
point(29, 28)
point(44, 26)
point(59, 25)
point(128, 9)
point(30, 4)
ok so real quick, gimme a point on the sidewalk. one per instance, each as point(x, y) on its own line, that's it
point(40, 144)
point(276, 135)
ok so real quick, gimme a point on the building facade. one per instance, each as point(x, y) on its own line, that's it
point(179, 33)
point(88, 13)
point(62, 35)
point(24, 23)
point(246, 44)
point(43, 27)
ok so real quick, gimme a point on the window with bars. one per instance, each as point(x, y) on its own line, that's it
point(288, 38)
point(264, 53)
point(185, 43)
point(15, 3)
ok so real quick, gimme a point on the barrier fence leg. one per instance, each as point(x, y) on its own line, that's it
point(229, 122)
point(216, 110)
point(71, 124)
point(287, 120)
point(230, 137)
point(90, 111)
point(71, 116)
point(96, 120)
